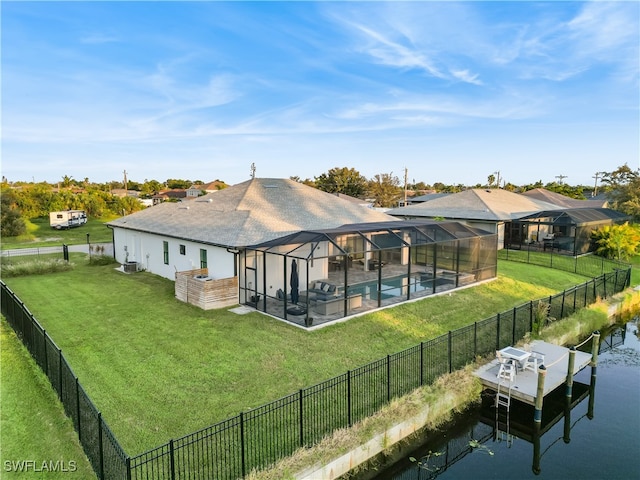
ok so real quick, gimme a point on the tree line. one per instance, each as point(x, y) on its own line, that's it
point(24, 200)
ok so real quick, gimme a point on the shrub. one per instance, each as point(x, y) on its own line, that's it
point(35, 267)
point(101, 260)
point(540, 316)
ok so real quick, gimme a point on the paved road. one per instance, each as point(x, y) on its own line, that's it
point(16, 252)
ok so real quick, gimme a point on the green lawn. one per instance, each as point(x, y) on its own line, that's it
point(40, 234)
point(34, 425)
point(158, 368)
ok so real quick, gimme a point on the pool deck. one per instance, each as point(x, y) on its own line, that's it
point(525, 385)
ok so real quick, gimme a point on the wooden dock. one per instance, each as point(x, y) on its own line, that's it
point(524, 387)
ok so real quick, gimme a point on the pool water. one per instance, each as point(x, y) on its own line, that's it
point(395, 287)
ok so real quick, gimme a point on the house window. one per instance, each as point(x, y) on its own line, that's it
point(183, 249)
point(165, 249)
point(203, 258)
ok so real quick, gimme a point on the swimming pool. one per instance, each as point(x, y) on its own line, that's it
point(394, 287)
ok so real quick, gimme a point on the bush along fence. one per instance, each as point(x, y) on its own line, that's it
point(259, 437)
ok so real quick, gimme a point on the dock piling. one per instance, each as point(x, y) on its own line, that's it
point(537, 414)
point(571, 363)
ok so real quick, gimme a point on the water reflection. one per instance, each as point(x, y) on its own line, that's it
point(499, 445)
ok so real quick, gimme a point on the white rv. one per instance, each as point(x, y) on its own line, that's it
point(67, 219)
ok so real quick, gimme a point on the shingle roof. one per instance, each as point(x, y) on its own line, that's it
point(476, 204)
point(249, 213)
point(562, 200)
point(581, 216)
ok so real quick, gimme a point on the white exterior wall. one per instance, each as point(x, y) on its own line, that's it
point(147, 250)
point(318, 270)
point(493, 227)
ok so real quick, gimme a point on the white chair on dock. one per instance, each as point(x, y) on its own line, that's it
point(507, 370)
point(533, 361)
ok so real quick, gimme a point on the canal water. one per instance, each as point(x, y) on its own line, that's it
point(595, 436)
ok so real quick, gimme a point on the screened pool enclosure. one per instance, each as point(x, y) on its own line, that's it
point(314, 277)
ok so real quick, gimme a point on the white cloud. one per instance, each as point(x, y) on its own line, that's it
point(466, 77)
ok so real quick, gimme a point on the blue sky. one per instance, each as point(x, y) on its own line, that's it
point(451, 91)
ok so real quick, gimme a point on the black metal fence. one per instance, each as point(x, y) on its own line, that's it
point(107, 458)
point(589, 265)
point(259, 437)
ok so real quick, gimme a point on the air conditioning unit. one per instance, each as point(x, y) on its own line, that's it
point(130, 267)
point(203, 278)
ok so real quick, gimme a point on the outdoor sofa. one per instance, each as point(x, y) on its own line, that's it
point(323, 290)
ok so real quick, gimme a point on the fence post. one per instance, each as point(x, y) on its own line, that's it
point(450, 353)
point(78, 408)
point(421, 363)
point(127, 462)
point(388, 378)
point(301, 411)
point(60, 372)
point(513, 333)
point(498, 333)
point(46, 357)
point(604, 284)
point(172, 460)
point(564, 294)
point(349, 419)
point(586, 289)
point(531, 315)
point(475, 339)
point(242, 444)
point(100, 446)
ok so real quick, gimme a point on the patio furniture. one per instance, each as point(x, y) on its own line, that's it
point(533, 361)
point(280, 295)
point(296, 310)
point(516, 354)
point(507, 368)
point(335, 305)
point(323, 290)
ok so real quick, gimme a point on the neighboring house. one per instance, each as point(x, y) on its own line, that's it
point(354, 200)
point(121, 192)
point(175, 194)
point(520, 219)
point(346, 258)
point(568, 230)
point(427, 197)
point(564, 201)
point(487, 209)
point(194, 191)
point(214, 186)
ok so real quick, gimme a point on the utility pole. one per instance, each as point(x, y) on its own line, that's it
point(497, 178)
point(405, 187)
point(560, 178)
point(595, 188)
point(253, 171)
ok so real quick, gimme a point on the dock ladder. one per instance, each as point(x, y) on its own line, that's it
point(503, 407)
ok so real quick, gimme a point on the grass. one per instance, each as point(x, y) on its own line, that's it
point(40, 234)
point(158, 368)
point(450, 393)
point(34, 425)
